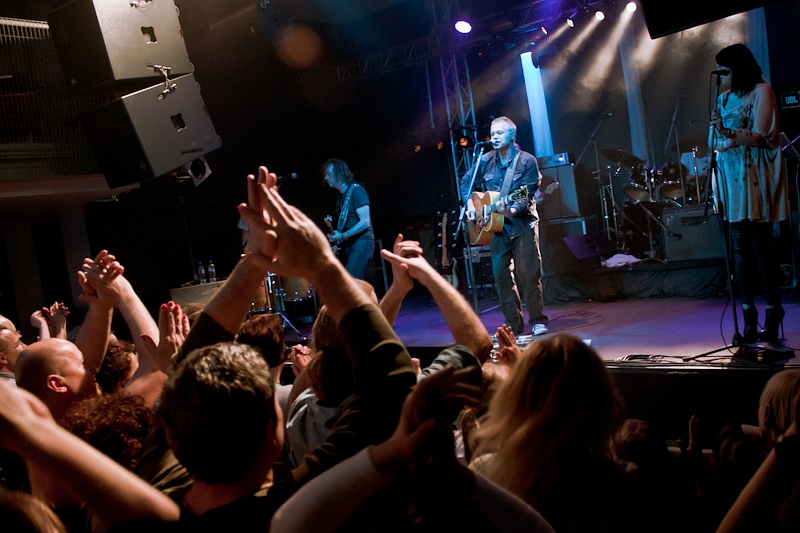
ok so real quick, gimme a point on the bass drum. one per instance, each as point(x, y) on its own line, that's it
point(638, 189)
point(295, 289)
point(670, 188)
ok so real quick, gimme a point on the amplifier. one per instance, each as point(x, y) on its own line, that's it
point(555, 160)
point(558, 257)
point(693, 235)
point(199, 294)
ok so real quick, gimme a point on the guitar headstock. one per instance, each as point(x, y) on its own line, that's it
point(519, 194)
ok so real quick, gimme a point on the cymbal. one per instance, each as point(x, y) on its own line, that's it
point(623, 158)
point(698, 142)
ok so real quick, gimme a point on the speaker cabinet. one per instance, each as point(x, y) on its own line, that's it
point(693, 236)
point(663, 18)
point(106, 46)
point(572, 197)
point(557, 257)
point(143, 135)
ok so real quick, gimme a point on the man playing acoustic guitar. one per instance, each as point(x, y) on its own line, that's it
point(501, 174)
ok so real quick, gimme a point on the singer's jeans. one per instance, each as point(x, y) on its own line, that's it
point(753, 247)
point(524, 249)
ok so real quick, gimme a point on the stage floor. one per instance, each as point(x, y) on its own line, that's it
point(671, 327)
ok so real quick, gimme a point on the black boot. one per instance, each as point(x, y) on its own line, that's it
point(750, 334)
point(774, 319)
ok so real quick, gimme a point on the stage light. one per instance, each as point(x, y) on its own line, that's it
point(600, 15)
point(439, 145)
point(463, 141)
point(417, 148)
point(570, 22)
point(544, 30)
point(462, 26)
point(631, 6)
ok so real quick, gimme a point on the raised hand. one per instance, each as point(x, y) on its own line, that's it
point(97, 280)
point(56, 316)
point(173, 326)
point(299, 356)
point(403, 248)
point(510, 351)
point(290, 242)
point(261, 238)
point(428, 405)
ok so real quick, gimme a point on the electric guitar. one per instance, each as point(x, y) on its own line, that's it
point(487, 220)
point(329, 224)
point(540, 194)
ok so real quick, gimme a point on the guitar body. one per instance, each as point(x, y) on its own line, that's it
point(329, 224)
point(487, 222)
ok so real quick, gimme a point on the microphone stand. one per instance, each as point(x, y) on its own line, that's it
point(461, 217)
point(674, 127)
point(713, 176)
point(603, 188)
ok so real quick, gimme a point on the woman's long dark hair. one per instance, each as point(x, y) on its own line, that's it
point(745, 72)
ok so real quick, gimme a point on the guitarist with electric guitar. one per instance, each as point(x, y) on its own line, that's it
point(350, 232)
point(498, 192)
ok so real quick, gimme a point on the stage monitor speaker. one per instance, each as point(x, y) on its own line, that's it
point(574, 196)
point(663, 18)
point(557, 256)
point(143, 135)
point(694, 236)
point(107, 46)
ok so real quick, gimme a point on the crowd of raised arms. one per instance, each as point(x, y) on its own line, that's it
point(187, 426)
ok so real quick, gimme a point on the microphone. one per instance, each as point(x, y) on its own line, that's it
point(291, 176)
point(484, 143)
point(721, 72)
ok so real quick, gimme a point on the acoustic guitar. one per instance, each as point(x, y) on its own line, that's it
point(487, 220)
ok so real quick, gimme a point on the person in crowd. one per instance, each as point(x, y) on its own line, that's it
point(416, 472)
point(741, 448)
point(548, 439)
point(351, 230)
point(11, 346)
point(507, 169)
point(225, 491)
point(771, 499)
point(116, 424)
point(57, 373)
point(745, 132)
point(119, 365)
point(265, 332)
point(111, 493)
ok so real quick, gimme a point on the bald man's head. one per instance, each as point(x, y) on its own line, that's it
point(10, 347)
point(55, 371)
point(7, 324)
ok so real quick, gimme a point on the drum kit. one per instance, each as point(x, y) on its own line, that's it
point(646, 192)
point(292, 299)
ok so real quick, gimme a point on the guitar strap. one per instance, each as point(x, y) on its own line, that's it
point(509, 177)
point(345, 207)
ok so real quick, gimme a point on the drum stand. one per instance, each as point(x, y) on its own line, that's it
point(607, 200)
point(650, 216)
point(275, 304)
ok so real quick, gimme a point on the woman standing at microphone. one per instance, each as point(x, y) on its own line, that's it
point(746, 135)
